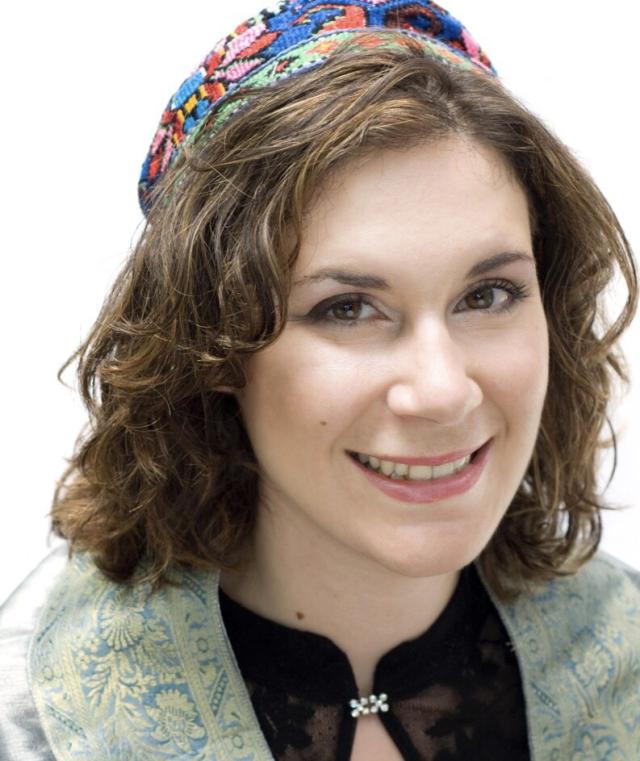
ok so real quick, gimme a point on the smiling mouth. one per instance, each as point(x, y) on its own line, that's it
point(398, 471)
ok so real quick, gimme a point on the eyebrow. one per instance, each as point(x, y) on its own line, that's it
point(363, 280)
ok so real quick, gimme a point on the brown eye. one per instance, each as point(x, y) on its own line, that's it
point(493, 297)
point(350, 310)
point(346, 310)
point(481, 298)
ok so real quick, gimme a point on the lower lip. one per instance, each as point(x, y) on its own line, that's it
point(430, 491)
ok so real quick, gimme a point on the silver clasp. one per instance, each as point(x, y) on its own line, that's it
point(372, 704)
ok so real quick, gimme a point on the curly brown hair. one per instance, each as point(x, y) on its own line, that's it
point(165, 469)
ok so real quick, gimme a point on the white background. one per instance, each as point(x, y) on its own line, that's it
point(84, 85)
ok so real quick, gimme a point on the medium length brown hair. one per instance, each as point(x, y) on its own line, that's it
point(165, 469)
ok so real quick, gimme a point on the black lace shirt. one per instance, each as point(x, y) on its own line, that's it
point(454, 692)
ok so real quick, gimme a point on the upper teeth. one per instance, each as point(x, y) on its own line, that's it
point(400, 470)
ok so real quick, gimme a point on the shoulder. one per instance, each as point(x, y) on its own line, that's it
point(21, 734)
point(577, 639)
point(605, 585)
point(112, 666)
point(604, 588)
point(602, 584)
point(605, 566)
point(603, 594)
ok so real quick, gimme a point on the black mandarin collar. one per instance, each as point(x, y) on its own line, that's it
point(312, 667)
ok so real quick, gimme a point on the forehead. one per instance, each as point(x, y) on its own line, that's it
point(430, 203)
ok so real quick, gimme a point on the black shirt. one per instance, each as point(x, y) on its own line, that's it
point(453, 693)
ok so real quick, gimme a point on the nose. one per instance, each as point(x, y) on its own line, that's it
point(430, 377)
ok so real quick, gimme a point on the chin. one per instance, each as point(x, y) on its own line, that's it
point(430, 559)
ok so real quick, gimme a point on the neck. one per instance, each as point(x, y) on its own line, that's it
point(363, 607)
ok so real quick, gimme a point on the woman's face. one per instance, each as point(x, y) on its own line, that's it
point(415, 331)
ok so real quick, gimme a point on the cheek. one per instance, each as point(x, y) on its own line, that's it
point(297, 387)
point(521, 376)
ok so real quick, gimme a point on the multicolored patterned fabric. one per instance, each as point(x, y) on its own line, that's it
point(294, 36)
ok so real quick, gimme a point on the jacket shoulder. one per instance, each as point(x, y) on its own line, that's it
point(21, 733)
point(615, 566)
point(127, 671)
point(606, 581)
point(577, 639)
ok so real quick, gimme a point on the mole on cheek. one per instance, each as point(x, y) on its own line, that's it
point(323, 422)
point(299, 615)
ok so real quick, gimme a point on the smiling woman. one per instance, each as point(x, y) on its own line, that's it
point(338, 499)
point(423, 366)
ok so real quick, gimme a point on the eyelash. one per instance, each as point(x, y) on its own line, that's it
point(320, 313)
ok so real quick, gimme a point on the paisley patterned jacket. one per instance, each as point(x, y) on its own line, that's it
point(94, 670)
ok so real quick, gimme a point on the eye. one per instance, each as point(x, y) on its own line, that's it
point(494, 296)
point(346, 310)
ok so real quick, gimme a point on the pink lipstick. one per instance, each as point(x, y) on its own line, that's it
point(435, 489)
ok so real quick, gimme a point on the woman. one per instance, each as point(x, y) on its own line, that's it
point(338, 498)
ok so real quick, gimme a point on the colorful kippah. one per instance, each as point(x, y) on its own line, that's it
point(291, 37)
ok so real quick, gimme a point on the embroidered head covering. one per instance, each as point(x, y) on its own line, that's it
point(290, 37)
